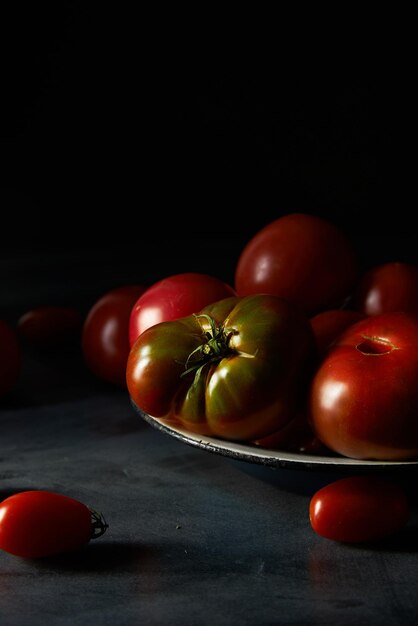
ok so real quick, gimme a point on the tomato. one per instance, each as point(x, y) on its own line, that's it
point(329, 325)
point(359, 509)
point(295, 436)
point(236, 370)
point(10, 358)
point(105, 333)
point(388, 287)
point(173, 297)
point(50, 326)
point(302, 258)
point(363, 400)
point(40, 523)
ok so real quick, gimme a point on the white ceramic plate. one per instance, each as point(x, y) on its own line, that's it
point(274, 458)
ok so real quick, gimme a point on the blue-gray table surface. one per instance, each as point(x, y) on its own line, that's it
point(193, 537)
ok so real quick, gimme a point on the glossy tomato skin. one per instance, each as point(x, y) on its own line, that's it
point(175, 296)
point(40, 523)
point(388, 287)
point(10, 358)
point(295, 436)
point(249, 392)
point(50, 326)
point(300, 257)
point(363, 400)
point(329, 325)
point(105, 333)
point(359, 509)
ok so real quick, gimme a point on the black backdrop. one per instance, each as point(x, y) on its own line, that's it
point(133, 148)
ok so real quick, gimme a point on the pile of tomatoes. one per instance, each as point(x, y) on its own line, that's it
point(304, 352)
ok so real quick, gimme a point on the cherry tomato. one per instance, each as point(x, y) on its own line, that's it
point(173, 297)
point(363, 400)
point(299, 257)
point(40, 523)
point(105, 333)
point(10, 358)
point(50, 326)
point(329, 325)
point(359, 509)
point(388, 287)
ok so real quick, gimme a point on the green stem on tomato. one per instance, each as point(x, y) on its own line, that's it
point(215, 347)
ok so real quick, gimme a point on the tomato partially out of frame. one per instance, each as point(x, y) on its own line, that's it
point(363, 400)
point(359, 509)
point(173, 297)
point(105, 333)
point(236, 370)
point(39, 523)
point(300, 257)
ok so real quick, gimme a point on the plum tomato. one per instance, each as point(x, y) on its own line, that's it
point(363, 397)
point(238, 369)
point(300, 257)
point(10, 358)
point(105, 333)
point(50, 326)
point(329, 325)
point(388, 287)
point(357, 509)
point(175, 296)
point(40, 523)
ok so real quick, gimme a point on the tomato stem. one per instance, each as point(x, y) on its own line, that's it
point(98, 524)
point(215, 347)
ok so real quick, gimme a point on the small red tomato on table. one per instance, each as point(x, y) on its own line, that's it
point(358, 509)
point(50, 326)
point(42, 523)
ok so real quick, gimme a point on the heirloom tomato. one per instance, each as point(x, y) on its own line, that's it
point(173, 297)
point(300, 257)
point(42, 523)
point(363, 400)
point(388, 287)
point(359, 509)
point(236, 370)
point(105, 333)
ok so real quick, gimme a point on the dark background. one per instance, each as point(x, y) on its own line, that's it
point(134, 147)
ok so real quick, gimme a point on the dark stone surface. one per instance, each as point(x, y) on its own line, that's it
point(193, 538)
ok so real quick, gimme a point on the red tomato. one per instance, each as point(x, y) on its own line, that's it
point(359, 509)
point(10, 358)
point(299, 257)
point(173, 297)
point(43, 523)
point(295, 436)
point(329, 325)
point(364, 395)
point(105, 333)
point(388, 287)
point(49, 326)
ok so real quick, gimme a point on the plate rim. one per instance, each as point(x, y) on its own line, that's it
point(268, 456)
